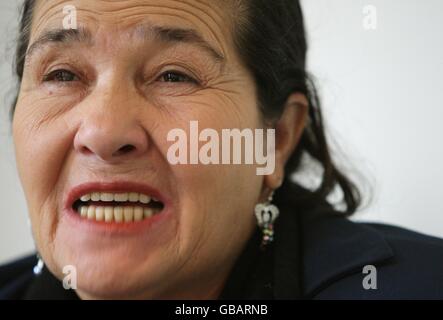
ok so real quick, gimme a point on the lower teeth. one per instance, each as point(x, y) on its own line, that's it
point(117, 214)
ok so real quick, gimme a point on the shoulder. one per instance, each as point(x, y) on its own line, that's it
point(16, 276)
point(398, 263)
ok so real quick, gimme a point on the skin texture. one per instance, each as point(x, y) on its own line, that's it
point(71, 132)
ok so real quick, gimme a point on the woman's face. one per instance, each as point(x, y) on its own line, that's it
point(93, 115)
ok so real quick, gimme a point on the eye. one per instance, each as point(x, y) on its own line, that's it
point(60, 76)
point(176, 76)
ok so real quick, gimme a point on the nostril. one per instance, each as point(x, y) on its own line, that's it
point(125, 149)
point(86, 150)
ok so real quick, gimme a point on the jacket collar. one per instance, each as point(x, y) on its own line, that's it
point(316, 245)
point(334, 247)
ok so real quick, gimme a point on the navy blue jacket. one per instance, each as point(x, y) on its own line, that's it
point(317, 254)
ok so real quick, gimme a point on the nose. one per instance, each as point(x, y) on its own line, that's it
point(111, 136)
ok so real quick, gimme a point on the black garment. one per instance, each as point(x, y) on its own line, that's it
point(317, 254)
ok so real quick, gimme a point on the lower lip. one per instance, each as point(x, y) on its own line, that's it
point(157, 221)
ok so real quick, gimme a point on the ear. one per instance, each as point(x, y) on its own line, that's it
point(288, 130)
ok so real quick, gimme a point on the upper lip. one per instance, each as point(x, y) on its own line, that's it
point(113, 187)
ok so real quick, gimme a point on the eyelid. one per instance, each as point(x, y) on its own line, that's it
point(177, 68)
point(191, 78)
point(53, 61)
point(51, 73)
point(48, 57)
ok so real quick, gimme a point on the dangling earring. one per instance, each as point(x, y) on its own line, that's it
point(39, 266)
point(266, 213)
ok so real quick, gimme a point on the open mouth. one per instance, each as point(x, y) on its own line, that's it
point(123, 207)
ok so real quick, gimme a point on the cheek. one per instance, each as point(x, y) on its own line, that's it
point(40, 154)
point(217, 201)
point(217, 211)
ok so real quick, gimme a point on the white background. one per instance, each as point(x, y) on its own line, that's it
point(382, 94)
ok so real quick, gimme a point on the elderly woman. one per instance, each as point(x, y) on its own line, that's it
point(107, 88)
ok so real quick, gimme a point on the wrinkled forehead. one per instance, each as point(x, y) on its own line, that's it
point(211, 19)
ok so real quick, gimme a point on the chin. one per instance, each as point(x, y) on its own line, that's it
point(123, 271)
point(113, 276)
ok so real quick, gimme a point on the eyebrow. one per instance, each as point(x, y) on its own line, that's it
point(148, 32)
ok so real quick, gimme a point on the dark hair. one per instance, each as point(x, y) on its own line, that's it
point(271, 40)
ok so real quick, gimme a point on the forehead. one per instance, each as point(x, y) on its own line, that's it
point(212, 19)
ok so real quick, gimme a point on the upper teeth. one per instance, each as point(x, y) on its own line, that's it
point(118, 197)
